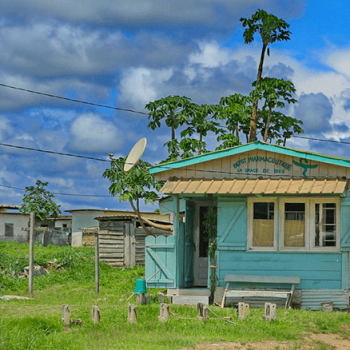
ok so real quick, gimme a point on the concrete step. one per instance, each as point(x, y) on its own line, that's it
point(200, 292)
point(189, 300)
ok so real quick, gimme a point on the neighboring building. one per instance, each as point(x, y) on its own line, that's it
point(12, 222)
point(86, 219)
point(280, 212)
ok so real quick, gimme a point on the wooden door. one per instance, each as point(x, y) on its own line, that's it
point(160, 261)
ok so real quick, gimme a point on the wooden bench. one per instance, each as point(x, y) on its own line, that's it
point(288, 295)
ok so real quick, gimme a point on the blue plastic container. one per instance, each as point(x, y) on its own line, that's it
point(140, 286)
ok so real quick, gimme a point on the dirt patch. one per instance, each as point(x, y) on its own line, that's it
point(311, 341)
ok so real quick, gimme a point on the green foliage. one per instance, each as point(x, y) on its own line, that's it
point(174, 111)
point(200, 122)
point(137, 183)
point(270, 28)
point(40, 201)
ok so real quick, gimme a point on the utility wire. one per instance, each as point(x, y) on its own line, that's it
point(163, 166)
point(52, 152)
point(314, 139)
point(72, 100)
point(65, 194)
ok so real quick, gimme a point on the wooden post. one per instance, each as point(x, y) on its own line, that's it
point(141, 299)
point(203, 312)
point(65, 315)
point(132, 313)
point(31, 230)
point(96, 313)
point(161, 297)
point(243, 310)
point(270, 312)
point(164, 312)
point(97, 259)
point(31, 253)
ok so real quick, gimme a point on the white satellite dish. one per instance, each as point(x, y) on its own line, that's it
point(135, 154)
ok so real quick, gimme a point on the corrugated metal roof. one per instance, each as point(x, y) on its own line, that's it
point(312, 298)
point(254, 186)
point(9, 206)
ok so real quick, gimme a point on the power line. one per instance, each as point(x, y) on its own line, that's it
point(72, 100)
point(64, 194)
point(163, 166)
point(52, 152)
point(314, 139)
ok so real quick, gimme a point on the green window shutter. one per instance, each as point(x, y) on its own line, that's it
point(232, 226)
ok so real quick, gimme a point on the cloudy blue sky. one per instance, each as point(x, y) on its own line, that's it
point(128, 53)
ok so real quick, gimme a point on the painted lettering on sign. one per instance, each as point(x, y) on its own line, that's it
point(240, 162)
point(255, 170)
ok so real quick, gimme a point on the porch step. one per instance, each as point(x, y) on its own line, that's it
point(189, 300)
point(189, 296)
point(200, 292)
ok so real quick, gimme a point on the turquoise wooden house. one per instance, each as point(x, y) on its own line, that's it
point(283, 216)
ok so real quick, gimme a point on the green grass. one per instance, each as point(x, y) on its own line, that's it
point(36, 323)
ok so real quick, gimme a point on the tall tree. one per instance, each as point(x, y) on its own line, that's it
point(39, 201)
point(200, 123)
point(235, 110)
point(274, 93)
point(271, 29)
point(173, 110)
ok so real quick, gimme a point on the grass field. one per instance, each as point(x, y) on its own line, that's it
point(36, 323)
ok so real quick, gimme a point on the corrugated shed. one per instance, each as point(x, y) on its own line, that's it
point(254, 186)
point(312, 298)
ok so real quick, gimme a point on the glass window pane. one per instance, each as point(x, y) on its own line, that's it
point(263, 224)
point(294, 225)
point(327, 223)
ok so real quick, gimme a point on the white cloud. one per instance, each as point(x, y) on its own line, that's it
point(210, 55)
point(91, 133)
point(139, 86)
point(339, 61)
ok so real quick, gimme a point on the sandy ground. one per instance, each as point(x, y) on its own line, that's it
point(311, 341)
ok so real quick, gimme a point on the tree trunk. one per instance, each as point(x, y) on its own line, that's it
point(172, 132)
point(267, 125)
point(253, 120)
point(168, 228)
point(200, 145)
point(237, 131)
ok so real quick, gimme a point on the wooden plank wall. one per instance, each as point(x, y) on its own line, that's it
point(111, 241)
point(122, 244)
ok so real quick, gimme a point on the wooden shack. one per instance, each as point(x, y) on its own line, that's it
point(122, 239)
point(283, 225)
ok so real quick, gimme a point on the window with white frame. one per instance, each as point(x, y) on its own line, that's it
point(262, 224)
point(309, 224)
point(304, 224)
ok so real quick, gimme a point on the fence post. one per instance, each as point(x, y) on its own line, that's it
point(31, 253)
point(270, 312)
point(203, 312)
point(97, 259)
point(132, 313)
point(96, 313)
point(164, 312)
point(65, 315)
point(243, 310)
